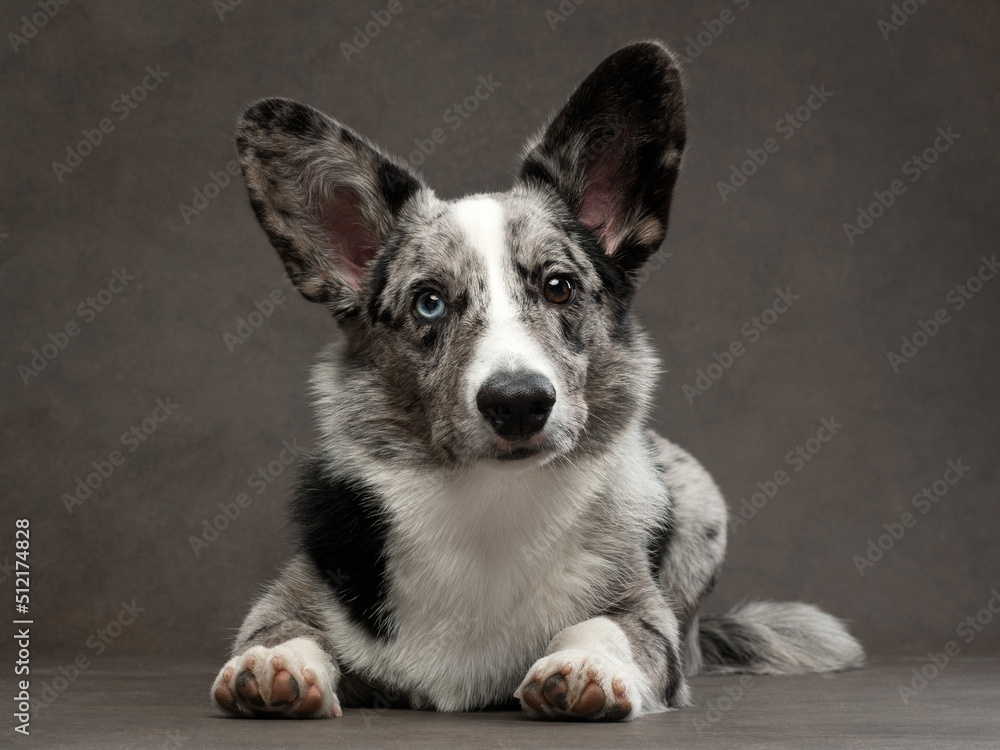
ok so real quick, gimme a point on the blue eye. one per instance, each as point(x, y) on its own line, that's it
point(430, 307)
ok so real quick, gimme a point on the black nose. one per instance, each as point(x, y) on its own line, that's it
point(516, 404)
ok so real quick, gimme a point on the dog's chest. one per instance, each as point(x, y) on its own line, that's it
point(481, 581)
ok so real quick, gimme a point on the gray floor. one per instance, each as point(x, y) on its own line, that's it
point(155, 703)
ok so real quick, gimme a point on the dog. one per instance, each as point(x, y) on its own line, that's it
point(486, 522)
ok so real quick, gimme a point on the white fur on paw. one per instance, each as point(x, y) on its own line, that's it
point(574, 684)
point(295, 679)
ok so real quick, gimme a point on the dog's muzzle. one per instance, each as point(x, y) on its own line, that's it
point(516, 405)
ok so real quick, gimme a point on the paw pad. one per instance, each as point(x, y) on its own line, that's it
point(575, 686)
point(277, 682)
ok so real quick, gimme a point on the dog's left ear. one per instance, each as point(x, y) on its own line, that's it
point(614, 150)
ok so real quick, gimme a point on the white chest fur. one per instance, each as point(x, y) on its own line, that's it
point(486, 566)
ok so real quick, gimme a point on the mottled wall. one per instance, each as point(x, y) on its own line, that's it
point(168, 284)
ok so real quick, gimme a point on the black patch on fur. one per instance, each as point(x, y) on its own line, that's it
point(655, 632)
point(659, 542)
point(675, 676)
point(302, 121)
point(297, 622)
point(571, 334)
point(534, 171)
point(726, 640)
point(378, 278)
point(271, 115)
point(351, 138)
point(262, 113)
point(261, 630)
point(709, 586)
point(643, 634)
point(397, 185)
point(613, 277)
point(662, 531)
point(430, 336)
point(624, 332)
point(342, 531)
point(355, 691)
point(267, 155)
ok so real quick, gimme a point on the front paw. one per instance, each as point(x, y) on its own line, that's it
point(573, 684)
point(295, 679)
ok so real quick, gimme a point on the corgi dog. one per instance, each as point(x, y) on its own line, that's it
point(486, 521)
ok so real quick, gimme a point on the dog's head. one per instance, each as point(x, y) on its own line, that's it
point(495, 327)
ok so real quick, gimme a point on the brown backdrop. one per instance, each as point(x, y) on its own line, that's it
point(862, 105)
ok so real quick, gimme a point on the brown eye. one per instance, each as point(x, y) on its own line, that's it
point(558, 290)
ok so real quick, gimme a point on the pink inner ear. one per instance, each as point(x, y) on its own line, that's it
point(600, 210)
point(352, 243)
point(597, 215)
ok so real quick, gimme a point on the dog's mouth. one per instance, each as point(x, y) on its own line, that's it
point(512, 451)
point(518, 454)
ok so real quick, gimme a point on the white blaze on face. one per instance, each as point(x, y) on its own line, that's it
point(507, 344)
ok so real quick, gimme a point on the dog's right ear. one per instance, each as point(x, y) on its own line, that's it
point(326, 197)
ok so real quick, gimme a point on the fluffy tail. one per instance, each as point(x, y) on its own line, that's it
point(771, 638)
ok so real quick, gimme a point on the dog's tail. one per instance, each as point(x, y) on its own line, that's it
point(771, 638)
